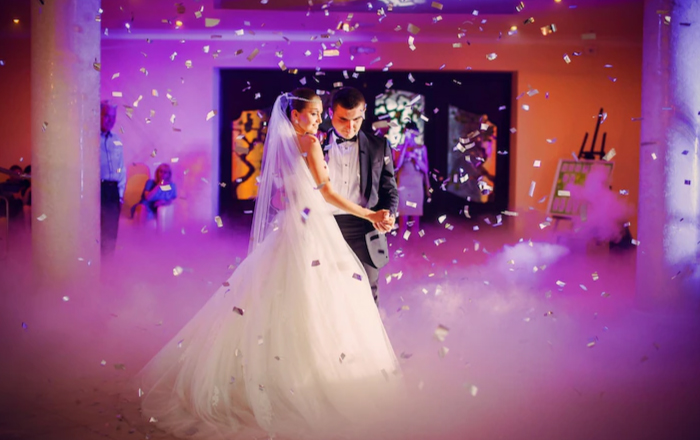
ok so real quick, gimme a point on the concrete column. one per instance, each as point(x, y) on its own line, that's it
point(668, 258)
point(65, 109)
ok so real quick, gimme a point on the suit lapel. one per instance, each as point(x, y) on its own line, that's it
point(364, 162)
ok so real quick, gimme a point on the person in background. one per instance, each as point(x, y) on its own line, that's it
point(157, 192)
point(412, 178)
point(26, 190)
point(11, 190)
point(113, 176)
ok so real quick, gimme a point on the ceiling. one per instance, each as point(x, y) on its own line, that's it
point(439, 7)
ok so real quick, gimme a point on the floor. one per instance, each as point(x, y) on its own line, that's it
point(545, 337)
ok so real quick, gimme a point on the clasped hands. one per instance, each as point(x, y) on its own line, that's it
point(383, 221)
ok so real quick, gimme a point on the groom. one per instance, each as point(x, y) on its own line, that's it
point(361, 169)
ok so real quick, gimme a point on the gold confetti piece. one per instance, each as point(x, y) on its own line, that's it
point(529, 20)
point(546, 30)
point(411, 204)
point(406, 234)
point(218, 221)
point(653, 156)
point(177, 270)
point(116, 75)
point(473, 390)
point(413, 29)
point(560, 283)
point(520, 6)
point(331, 53)
point(595, 276)
point(605, 295)
point(188, 64)
point(103, 363)
point(282, 66)
point(590, 344)
point(537, 163)
point(567, 59)
point(211, 114)
point(443, 352)
point(404, 308)
point(204, 230)
point(253, 54)
point(436, 5)
point(610, 154)
point(166, 187)
point(531, 192)
point(441, 332)
point(119, 367)
point(153, 420)
point(65, 299)
point(42, 217)
point(563, 193)
point(239, 310)
point(97, 66)
point(116, 94)
point(211, 22)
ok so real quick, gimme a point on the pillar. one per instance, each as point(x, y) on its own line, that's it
point(668, 266)
point(65, 97)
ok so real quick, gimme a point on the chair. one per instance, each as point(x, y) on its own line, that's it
point(136, 176)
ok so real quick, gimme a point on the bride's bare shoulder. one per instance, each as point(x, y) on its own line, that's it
point(308, 142)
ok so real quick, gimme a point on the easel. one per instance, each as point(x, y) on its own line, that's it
point(583, 155)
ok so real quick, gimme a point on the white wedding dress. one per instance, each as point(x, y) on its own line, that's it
point(292, 345)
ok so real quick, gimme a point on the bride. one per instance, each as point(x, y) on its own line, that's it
point(292, 345)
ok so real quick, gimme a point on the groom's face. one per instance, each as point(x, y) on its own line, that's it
point(347, 122)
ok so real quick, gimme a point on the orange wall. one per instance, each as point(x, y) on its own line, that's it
point(15, 139)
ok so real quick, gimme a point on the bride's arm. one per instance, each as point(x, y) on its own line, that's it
point(314, 156)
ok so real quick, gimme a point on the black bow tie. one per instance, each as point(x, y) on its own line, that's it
point(339, 139)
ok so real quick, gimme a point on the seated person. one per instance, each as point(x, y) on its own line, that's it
point(157, 192)
point(11, 190)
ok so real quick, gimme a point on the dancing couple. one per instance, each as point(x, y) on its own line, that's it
point(299, 351)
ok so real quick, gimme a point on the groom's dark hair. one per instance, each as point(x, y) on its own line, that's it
point(348, 98)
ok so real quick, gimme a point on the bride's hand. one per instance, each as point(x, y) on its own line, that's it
point(378, 216)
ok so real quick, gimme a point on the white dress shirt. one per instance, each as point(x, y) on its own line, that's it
point(112, 160)
point(344, 171)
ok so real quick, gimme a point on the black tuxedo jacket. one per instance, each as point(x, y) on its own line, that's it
point(377, 181)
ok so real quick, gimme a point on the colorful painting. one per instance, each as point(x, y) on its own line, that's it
point(472, 156)
point(248, 141)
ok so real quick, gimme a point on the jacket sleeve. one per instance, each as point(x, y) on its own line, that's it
point(388, 192)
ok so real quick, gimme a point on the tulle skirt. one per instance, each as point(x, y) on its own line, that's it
point(291, 346)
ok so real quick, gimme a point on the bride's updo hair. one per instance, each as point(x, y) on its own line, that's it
point(303, 96)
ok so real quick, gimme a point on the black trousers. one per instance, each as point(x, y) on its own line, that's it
point(109, 216)
point(354, 230)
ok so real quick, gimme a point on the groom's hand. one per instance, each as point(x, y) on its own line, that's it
point(386, 224)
